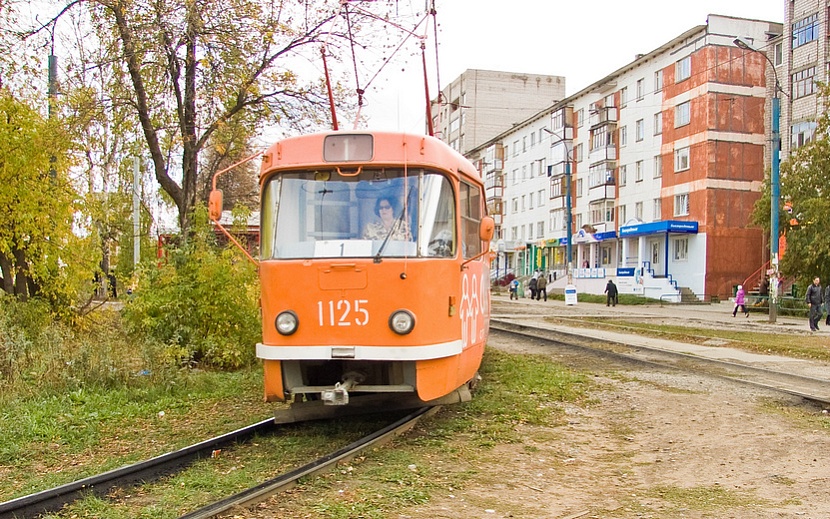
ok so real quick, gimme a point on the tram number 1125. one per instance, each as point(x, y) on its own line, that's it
point(343, 312)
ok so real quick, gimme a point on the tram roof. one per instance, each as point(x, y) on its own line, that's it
point(388, 148)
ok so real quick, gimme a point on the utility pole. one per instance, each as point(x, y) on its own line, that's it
point(774, 181)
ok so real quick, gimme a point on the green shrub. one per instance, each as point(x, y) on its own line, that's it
point(201, 302)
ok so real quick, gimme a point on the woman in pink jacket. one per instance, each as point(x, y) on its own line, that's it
point(740, 300)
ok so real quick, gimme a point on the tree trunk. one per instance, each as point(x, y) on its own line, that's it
point(21, 281)
point(8, 278)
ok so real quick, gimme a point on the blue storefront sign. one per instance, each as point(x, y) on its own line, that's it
point(665, 226)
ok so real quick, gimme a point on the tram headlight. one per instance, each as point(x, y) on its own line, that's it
point(402, 322)
point(287, 322)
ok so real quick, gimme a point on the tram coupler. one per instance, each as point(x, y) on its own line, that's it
point(340, 394)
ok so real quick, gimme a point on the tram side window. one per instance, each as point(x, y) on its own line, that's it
point(470, 198)
point(438, 216)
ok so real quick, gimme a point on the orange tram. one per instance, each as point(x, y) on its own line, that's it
point(374, 264)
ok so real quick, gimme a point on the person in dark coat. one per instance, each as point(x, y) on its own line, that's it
point(611, 291)
point(814, 298)
point(532, 286)
point(541, 284)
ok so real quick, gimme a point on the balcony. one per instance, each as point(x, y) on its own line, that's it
point(602, 154)
point(602, 192)
point(604, 115)
point(494, 167)
point(494, 193)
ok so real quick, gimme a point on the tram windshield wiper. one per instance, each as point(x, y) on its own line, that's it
point(392, 228)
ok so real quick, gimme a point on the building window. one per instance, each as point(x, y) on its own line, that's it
point(578, 187)
point(681, 204)
point(516, 148)
point(658, 123)
point(778, 54)
point(658, 81)
point(540, 229)
point(599, 176)
point(577, 220)
point(623, 175)
point(580, 118)
point(524, 200)
point(524, 144)
point(658, 166)
point(681, 249)
point(601, 138)
point(605, 254)
point(533, 139)
point(622, 214)
point(579, 152)
point(683, 69)
point(641, 89)
point(524, 172)
point(623, 97)
point(515, 205)
point(623, 136)
point(638, 171)
point(638, 211)
point(556, 187)
point(681, 159)
point(805, 30)
point(529, 231)
point(682, 114)
point(601, 212)
point(540, 200)
point(803, 84)
point(802, 133)
point(639, 130)
point(555, 216)
point(529, 202)
point(656, 209)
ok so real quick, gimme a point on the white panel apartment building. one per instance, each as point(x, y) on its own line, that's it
point(480, 104)
point(666, 160)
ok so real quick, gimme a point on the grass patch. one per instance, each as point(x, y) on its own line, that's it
point(60, 438)
point(817, 348)
point(709, 498)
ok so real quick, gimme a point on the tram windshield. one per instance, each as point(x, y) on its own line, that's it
point(378, 213)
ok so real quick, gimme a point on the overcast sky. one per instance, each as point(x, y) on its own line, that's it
point(580, 40)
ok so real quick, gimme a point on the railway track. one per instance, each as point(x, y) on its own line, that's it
point(807, 387)
point(283, 482)
point(52, 500)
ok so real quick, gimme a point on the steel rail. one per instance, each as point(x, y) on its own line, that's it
point(285, 481)
point(808, 388)
point(53, 499)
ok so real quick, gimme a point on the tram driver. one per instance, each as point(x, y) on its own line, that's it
point(392, 222)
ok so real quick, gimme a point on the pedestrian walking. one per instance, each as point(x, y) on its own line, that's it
point(541, 284)
point(814, 299)
point(514, 289)
point(612, 293)
point(532, 284)
point(740, 301)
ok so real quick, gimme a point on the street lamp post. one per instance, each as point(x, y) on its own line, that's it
point(568, 205)
point(569, 217)
point(775, 184)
